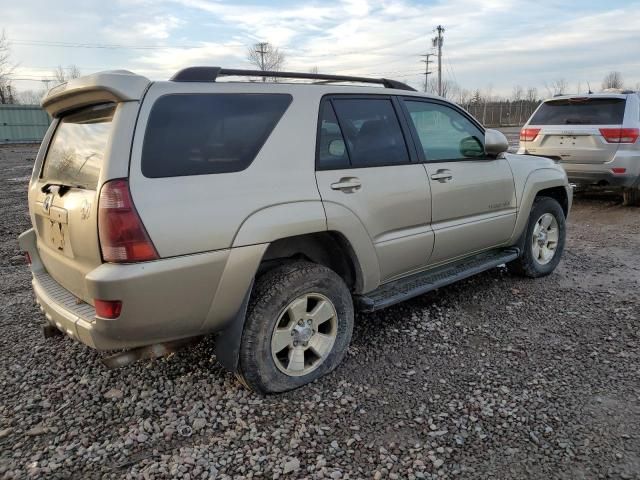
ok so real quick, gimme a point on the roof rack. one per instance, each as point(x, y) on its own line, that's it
point(210, 74)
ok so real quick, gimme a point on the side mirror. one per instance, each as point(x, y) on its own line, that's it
point(336, 148)
point(495, 142)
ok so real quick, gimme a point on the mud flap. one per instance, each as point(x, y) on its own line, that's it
point(227, 344)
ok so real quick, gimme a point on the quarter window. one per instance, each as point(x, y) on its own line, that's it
point(372, 132)
point(444, 133)
point(199, 134)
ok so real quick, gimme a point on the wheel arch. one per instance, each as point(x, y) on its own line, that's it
point(559, 194)
point(329, 248)
point(541, 182)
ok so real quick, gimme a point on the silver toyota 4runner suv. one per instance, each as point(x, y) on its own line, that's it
point(269, 212)
point(594, 137)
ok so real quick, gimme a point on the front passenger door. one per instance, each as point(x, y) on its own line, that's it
point(473, 196)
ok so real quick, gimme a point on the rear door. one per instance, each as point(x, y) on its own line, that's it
point(64, 195)
point(364, 165)
point(473, 196)
point(571, 129)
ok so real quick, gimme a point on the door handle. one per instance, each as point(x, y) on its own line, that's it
point(442, 175)
point(347, 184)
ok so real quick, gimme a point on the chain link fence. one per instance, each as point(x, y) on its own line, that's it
point(502, 113)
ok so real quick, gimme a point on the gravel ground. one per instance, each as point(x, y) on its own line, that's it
point(495, 377)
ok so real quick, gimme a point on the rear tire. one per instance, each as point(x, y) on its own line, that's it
point(631, 197)
point(298, 327)
point(544, 240)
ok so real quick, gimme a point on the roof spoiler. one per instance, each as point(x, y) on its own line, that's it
point(101, 87)
point(210, 74)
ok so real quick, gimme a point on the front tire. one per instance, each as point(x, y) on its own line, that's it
point(298, 327)
point(544, 239)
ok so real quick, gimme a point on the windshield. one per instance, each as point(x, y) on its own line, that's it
point(580, 111)
point(77, 149)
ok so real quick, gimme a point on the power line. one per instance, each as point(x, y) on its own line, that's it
point(449, 65)
point(402, 72)
point(369, 50)
point(42, 80)
point(113, 46)
point(27, 75)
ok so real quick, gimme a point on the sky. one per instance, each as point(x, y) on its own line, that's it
point(491, 45)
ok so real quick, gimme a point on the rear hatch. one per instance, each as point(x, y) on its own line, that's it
point(576, 129)
point(65, 197)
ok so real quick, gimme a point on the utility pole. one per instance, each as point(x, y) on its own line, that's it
point(437, 43)
point(426, 62)
point(262, 51)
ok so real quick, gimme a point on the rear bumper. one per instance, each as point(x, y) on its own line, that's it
point(600, 178)
point(602, 173)
point(162, 300)
point(599, 175)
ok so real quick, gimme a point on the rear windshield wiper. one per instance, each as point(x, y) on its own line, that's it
point(62, 188)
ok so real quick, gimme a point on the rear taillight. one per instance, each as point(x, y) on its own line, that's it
point(108, 309)
point(620, 135)
point(123, 237)
point(618, 170)
point(529, 134)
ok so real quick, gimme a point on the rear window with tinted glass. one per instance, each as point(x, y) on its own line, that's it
point(77, 149)
point(588, 111)
point(199, 134)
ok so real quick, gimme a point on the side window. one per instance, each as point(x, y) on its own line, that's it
point(444, 133)
point(201, 134)
point(332, 151)
point(372, 132)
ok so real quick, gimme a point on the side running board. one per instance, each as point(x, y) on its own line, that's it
point(423, 282)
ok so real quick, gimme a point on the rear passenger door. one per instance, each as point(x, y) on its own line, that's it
point(473, 196)
point(365, 167)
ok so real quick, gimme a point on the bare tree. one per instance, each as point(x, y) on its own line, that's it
point(449, 88)
point(488, 97)
point(464, 96)
point(63, 75)
point(557, 87)
point(314, 69)
point(74, 71)
point(31, 97)
point(6, 69)
point(518, 93)
point(612, 80)
point(532, 94)
point(266, 57)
